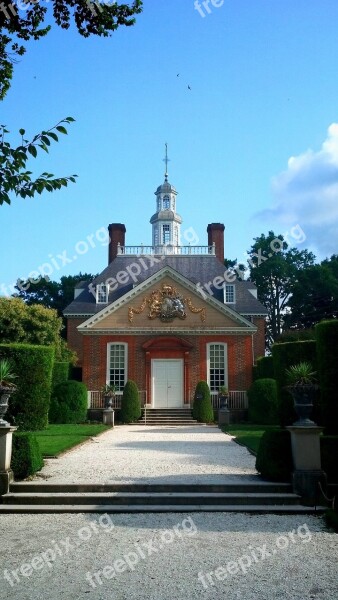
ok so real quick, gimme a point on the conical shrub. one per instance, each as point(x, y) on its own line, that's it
point(130, 404)
point(202, 407)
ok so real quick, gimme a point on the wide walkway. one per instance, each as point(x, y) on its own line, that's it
point(145, 454)
point(177, 556)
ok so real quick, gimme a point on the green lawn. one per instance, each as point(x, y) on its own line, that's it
point(58, 438)
point(248, 435)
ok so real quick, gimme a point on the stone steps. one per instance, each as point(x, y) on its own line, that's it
point(173, 417)
point(253, 497)
point(147, 508)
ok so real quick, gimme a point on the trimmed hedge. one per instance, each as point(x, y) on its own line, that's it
point(329, 456)
point(264, 368)
point(69, 403)
point(26, 455)
point(263, 407)
point(285, 355)
point(60, 373)
point(130, 403)
point(202, 407)
point(274, 456)
point(327, 357)
point(29, 405)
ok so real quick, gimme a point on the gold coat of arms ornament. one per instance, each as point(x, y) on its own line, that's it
point(166, 304)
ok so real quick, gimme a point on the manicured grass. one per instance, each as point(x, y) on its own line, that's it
point(58, 438)
point(248, 435)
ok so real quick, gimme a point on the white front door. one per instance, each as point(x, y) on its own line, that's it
point(167, 383)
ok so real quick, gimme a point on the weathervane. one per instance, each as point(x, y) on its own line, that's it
point(166, 160)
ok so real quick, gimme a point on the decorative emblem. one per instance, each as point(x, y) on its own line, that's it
point(166, 304)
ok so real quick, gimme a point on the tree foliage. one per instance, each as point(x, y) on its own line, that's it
point(15, 178)
point(51, 294)
point(274, 268)
point(90, 18)
point(20, 323)
point(314, 295)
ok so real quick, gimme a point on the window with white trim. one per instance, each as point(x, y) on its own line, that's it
point(166, 234)
point(166, 202)
point(217, 364)
point(102, 293)
point(117, 365)
point(229, 293)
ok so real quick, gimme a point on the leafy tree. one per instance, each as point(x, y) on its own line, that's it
point(274, 268)
point(51, 294)
point(314, 297)
point(34, 324)
point(238, 269)
point(90, 18)
point(14, 176)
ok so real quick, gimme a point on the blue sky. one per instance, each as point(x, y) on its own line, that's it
point(253, 144)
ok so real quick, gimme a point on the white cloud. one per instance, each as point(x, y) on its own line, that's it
point(307, 194)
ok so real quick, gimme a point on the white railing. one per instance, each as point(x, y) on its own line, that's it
point(166, 250)
point(238, 400)
point(96, 400)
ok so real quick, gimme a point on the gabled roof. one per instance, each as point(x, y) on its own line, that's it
point(126, 272)
point(239, 321)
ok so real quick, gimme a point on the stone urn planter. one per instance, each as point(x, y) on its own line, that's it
point(302, 387)
point(7, 388)
point(108, 392)
point(223, 397)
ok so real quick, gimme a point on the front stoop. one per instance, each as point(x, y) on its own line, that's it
point(170, 417)
point(254, 497)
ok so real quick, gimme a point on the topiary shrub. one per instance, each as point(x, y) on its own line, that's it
point(327, 360)
point(264, 368)
point(26, 455)
point(33, 365)
point(202, 408)
point(263, 407)
point(274, 456)
point(284, 356)
point(130, 403)
point(60, 373)
point(69, 403)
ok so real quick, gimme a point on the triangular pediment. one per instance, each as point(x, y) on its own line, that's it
point(165, 302)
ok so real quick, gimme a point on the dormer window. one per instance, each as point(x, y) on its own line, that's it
point(166, 202)
point(102, 293)
point(229, 294)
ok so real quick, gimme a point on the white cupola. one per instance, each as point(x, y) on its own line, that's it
point(166, 222)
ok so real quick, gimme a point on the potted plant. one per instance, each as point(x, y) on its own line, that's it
point(301, 379)
point(223, 395)
point(7, 387)
point(108, 392)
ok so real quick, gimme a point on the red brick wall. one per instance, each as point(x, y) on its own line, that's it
point(239, 359)
point(259, 337)
point(75, 339)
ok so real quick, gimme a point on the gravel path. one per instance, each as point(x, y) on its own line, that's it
point(171, 556)
point(60, 555)
point(133, 453)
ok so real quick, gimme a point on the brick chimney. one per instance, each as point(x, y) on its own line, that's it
point(116, 235)
point(216, 235)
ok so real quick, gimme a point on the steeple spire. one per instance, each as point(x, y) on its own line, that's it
point(166, 160)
